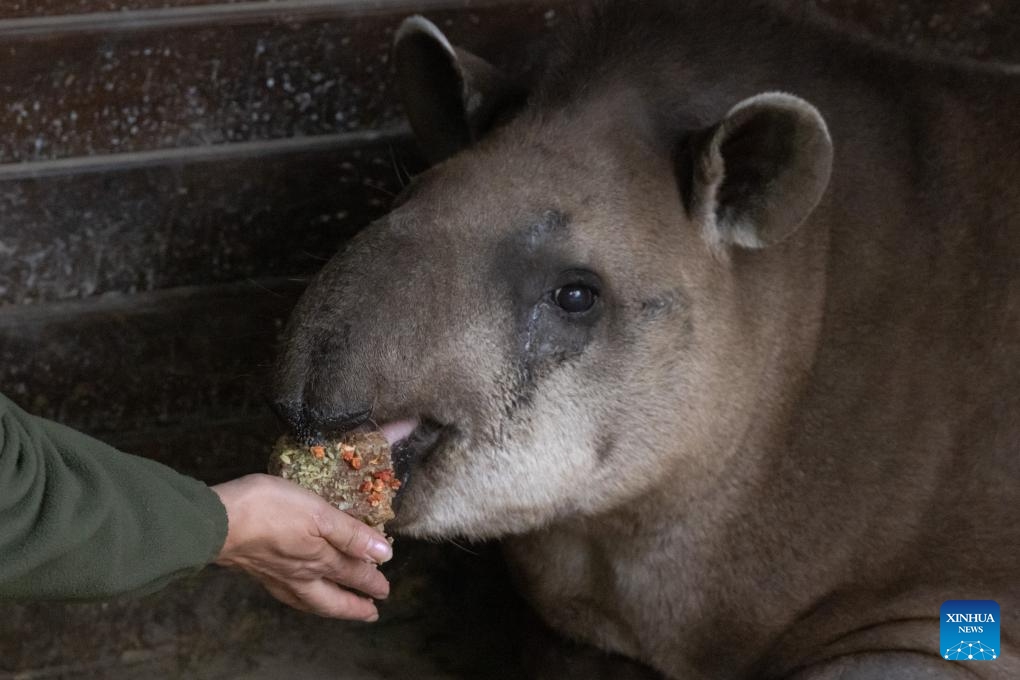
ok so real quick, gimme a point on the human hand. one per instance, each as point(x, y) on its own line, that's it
point(300, 548)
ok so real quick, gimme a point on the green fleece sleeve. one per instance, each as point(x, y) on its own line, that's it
point(80, 520)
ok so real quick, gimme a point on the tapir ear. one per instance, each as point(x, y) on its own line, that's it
point(451, 97)
point(753, 178)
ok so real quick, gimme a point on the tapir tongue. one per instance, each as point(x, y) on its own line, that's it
point(398, 430)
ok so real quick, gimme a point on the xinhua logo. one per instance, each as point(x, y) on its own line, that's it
point(970, 630)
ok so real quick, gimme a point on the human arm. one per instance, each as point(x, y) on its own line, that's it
point(80, 520)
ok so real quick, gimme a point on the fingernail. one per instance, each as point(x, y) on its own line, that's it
point(373, 618)
point(380, 551)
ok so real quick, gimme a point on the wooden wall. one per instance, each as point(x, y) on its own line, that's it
point(171, 171)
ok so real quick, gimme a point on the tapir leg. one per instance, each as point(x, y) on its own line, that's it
point(891, 666)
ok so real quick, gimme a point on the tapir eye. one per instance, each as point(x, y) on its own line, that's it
point(575, 298)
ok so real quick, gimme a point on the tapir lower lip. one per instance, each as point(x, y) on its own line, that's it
point(412, 450)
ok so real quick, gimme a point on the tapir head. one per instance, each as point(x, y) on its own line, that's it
point(573, 305)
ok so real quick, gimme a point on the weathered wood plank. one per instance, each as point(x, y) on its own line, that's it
point(986, 30)
point(71, 229)
point(212, 451)
point(14, 9)
point(135, 81)
point(183, 357)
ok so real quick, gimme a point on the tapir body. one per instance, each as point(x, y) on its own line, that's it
point(716, 323)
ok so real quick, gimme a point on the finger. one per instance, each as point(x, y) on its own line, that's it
point(359, 575)
point(352, 537)
point(327, 599)
point(283, 593)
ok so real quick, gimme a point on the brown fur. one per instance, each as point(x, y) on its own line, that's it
point(755, 462)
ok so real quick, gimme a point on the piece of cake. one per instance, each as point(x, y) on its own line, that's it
point(354, 473)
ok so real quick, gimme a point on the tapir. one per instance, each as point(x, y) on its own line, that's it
point(713, 319)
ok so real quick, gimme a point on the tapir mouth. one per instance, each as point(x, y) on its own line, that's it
point(411, 444)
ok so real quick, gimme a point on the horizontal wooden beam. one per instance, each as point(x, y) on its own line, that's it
point(69, 17)
point(266, 149)
point(180, 358)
